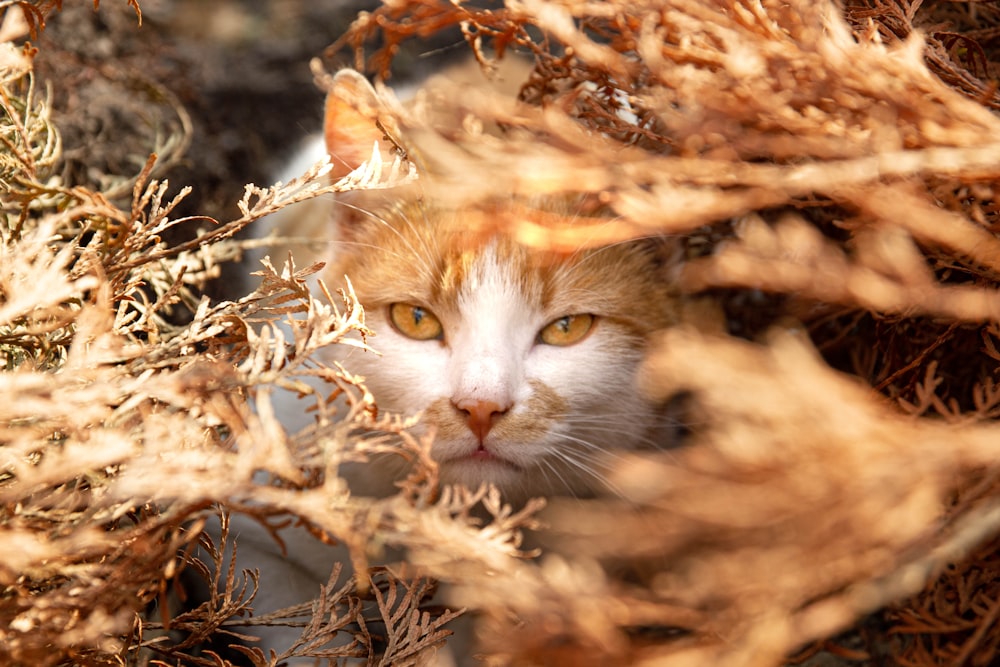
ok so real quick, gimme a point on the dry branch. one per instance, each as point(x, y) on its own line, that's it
point(843, 164)
point(829, 175)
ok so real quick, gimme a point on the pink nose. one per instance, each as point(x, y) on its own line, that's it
point(482, 415)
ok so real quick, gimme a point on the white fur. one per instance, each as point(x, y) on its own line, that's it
point(487, 346)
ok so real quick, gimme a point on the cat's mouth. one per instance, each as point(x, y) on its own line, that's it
point(483, 457)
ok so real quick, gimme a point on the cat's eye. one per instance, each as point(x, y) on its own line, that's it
point(415, 322)
point(566, 330)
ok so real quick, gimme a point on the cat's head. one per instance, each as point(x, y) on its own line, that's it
point(522, 361)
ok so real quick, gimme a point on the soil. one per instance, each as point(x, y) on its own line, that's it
point(231, 77)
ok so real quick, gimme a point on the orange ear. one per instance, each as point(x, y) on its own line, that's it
point(351, 123)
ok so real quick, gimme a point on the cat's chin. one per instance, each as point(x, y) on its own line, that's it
point(479, 467)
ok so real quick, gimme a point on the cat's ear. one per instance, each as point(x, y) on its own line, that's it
point(353, 122)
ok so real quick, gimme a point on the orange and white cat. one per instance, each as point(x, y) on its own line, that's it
point(521, 361)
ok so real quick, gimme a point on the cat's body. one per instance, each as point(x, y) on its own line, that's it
point(521, 361)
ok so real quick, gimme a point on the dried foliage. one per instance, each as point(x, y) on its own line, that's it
point(121, 429)
point(829, 171)
point(830, 175)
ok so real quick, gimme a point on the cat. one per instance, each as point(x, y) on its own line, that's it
point(520, 361)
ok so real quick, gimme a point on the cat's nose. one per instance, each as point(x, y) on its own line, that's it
point(481, 415)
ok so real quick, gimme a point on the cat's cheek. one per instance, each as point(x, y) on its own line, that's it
point(596, 374)
point(606, 411)
point(405, 377)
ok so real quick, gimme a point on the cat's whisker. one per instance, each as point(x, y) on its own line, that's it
point(428, 250)
point(422, 259)
point(646, 442)
point(617, 414)
point(581, 465)
point(585, 449)
point(605, 455)
point(371, 246)
point(656, 421)
point(546, 467)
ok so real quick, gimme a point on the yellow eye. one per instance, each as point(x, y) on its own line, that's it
point(567, 330)
point(415, 322)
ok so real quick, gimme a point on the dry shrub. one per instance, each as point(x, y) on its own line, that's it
point(829, 175)
point(121, 428)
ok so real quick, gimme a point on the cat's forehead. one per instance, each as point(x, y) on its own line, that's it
point(441, 259)
point(462, 265)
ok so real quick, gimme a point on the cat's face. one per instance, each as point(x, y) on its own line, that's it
point(521, 361)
